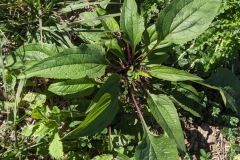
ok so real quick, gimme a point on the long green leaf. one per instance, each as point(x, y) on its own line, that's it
point(15, 109)
point(172, 74)
point(102, 109)
point(166, 115)
point(110, 86)
point(29, 54)
point(99, 117)
point(184, 20)
point(80, 86)
point(131, 23)
point(75, 63)
point(156, 148)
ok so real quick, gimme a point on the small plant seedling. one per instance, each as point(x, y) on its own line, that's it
point(204, 155)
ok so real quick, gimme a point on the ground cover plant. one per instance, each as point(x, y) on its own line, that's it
point(107, 85)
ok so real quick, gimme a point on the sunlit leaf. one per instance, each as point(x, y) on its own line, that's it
point(184, 20)
point(82, 86)
point(75, 63)
point(102, 109)
point(110, 86)
point(172, 74)
point(103, 157)
point(156, 148)
point(28, 130)
point(97, 119)
point(30, 54)
point(108, 23)
point(131, 23)
point(166, 115)
point(42, 130)
point(56, 147)
point(89, 15)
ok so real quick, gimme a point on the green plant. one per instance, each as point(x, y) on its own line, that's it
point(231, 132)
point(204, 155)
point(206, 54)
point(129, 63)
point(36, 21)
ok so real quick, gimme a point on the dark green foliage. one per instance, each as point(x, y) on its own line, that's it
point(93, 85)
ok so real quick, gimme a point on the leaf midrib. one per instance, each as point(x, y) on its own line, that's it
point(166, 122)
point(170, 31)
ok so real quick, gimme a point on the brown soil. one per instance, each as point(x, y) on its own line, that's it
point(207, 137)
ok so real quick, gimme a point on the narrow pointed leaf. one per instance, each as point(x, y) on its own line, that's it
point(131, 23)
point(156, 148)
point(99, 117)
point(75, 63)
point(172, 74)
point(166, 115)
point(68, 87)
point(184, 20)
